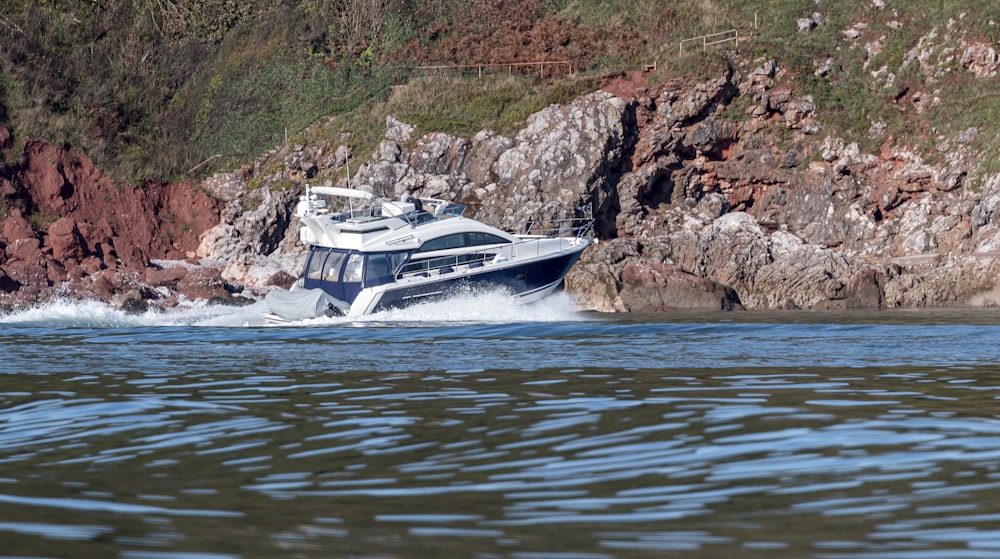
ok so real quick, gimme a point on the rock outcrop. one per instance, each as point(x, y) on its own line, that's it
point(697, 205)
point(730, 203)
point(698, 210)
point(66, 230)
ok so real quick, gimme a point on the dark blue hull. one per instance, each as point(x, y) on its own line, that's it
point(520, 280)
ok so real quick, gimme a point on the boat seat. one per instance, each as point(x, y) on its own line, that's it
point(475, 265)
point(446, 270)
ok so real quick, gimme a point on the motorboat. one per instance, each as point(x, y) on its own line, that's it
point(368, 254)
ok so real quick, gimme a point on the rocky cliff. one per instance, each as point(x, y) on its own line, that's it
point(699, 208)
point(723, 194)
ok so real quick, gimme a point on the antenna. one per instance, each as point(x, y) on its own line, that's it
point(350, 201)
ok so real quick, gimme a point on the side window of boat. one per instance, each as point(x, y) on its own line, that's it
point(352, 273)
point(477, 238)
point(315, 269)
point(459, 240)
point(396, 260)
point(441, 243)
point(333, 264)
point(378, 268)
point(479, 256)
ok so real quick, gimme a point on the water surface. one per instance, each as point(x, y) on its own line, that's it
point(479, 428)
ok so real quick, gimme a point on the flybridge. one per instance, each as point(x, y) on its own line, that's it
point(329, 209)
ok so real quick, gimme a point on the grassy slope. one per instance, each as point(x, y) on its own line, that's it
point(148, 91)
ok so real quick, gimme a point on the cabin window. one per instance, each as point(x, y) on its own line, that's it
point(378, 270)
point(352, 273)
point(325, 264)
point(459, 240)
point(381, 268)
point(396, 260)
point(314, 270)
point(334, 263)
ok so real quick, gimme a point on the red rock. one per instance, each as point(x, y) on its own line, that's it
point(74, 270)
point(43, 174)
point(26, 250)
point(65, 239)
point(102, 285)
point(166, 276)
point(6, 140)
point(94, 236)
point(7, 283)
point(204, 283)
point(55, 272)
point(105, 251)
point(132, 255)
point(25, 296)
point(28, 273)
point(80, 288)
point(281, 279)
point(15, 228)
point(91, 265)
point(169, 302)
point(101, 227)
point(6, 187)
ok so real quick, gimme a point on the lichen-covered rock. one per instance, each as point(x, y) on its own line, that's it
point(596, 278)
point(560, 160)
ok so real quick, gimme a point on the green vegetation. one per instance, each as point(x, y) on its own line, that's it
point(41, 221)
point(161, 88)
point(465, 106)
point(879, 78)
point(257, 105)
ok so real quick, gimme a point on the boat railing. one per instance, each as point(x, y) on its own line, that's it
point(568, 227)
point(357, 215)
point(539, 245)
point(434, 209)
point(447, 263)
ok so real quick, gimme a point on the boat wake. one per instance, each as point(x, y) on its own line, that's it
point(483, 307)
point(471, 307)
point(96, 314)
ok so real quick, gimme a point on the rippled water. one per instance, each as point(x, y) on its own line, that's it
point(482, 429)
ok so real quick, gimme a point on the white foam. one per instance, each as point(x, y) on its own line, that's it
point(486, 307)
point(471, 307)
point(95, 314)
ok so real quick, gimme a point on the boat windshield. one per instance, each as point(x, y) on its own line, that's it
point(325, 264)
point(336, 270)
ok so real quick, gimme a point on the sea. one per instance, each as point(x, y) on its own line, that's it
point(482, 428)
